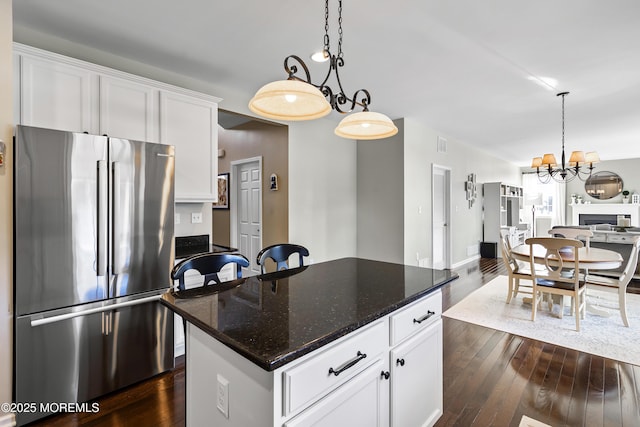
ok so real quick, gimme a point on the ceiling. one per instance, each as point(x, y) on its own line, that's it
point(472, 70)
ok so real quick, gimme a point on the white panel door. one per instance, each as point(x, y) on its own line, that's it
point(55, 96)
point(249, 211)
point(128, 110)
point(440, 217)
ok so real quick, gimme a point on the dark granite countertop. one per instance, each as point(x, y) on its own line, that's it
point(275, 318)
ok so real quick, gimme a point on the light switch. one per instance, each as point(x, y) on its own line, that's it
point(196, 217)
point(222, 396)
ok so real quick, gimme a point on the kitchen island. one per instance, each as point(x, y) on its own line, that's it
point(344, 342)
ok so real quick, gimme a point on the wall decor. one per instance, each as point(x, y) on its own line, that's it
point(223, 192)
point(471, 189)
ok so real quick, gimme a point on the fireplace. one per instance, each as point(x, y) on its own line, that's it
point(593, 219)
point(603, 213)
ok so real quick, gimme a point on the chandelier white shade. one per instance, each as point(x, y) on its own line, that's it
point(290, 100)
point(366, 125)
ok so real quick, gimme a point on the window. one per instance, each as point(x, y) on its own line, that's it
point(551, 198)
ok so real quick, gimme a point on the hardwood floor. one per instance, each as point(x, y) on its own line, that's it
point(491, 378)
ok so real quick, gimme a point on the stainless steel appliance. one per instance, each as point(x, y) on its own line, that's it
point(93, 252)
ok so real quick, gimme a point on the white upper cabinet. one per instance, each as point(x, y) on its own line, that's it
point(190, 124)
point(128, 109)
point(55, 95)
point(59, 92)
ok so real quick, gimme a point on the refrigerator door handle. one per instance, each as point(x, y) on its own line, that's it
point(115, 219)
point(60, 317)
point(103, 199)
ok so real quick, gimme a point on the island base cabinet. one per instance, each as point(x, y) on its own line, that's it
point(416, 379)
point(396, 379)
point(361, 402)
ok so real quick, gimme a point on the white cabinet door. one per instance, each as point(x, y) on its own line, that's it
point(128, 109)
point(55, 95)
point(361, 402)
point(191, 125)
point(416, 379)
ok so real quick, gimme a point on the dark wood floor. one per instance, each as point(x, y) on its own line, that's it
point(491, 378)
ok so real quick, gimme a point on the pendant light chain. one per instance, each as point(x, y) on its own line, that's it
point(563, 156)
point(563, 95)
point(340, 29)
point(326, 26)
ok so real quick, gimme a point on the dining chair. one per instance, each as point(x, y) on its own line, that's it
point(573, 233)
point(208, 265)
point(280, 254)
point(515, 269)
point(618, 284)
point(555, 276)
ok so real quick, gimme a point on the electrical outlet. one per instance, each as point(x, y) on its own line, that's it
point(177, 218)
point(196, 217)
point(222, 396)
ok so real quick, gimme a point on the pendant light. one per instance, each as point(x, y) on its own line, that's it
point(297, 98)
point(547, 166)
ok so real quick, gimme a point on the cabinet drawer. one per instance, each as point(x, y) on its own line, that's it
point(620, 238)
point(312, 379)
point(415, 317)
point(599, 237)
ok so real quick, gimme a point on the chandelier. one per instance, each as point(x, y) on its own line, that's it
point(297, 98)
point(547, 167)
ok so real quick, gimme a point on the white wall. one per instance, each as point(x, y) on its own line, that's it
point(629, 171)
point(186, 228)
point(322, 189)
point(380, 196)
point(466, 224)
point(6, 208)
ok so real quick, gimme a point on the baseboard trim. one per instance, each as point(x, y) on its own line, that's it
point(8, 420)
point(465, 261)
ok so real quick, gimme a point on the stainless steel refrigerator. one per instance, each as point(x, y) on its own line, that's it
point(93, 236)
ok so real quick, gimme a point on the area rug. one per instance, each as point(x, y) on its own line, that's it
point(602, 336)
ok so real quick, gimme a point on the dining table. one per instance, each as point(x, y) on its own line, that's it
point(588, 259)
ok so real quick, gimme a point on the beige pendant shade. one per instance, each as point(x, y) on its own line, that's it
point(577, 158)
point(536, 162)
point(366, 125)
point(591, 157)
point(549, 160)
point(289, 100)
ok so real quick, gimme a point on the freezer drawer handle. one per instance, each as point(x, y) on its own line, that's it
point(53, 319)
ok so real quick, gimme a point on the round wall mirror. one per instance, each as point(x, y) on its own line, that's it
point(603, 185)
